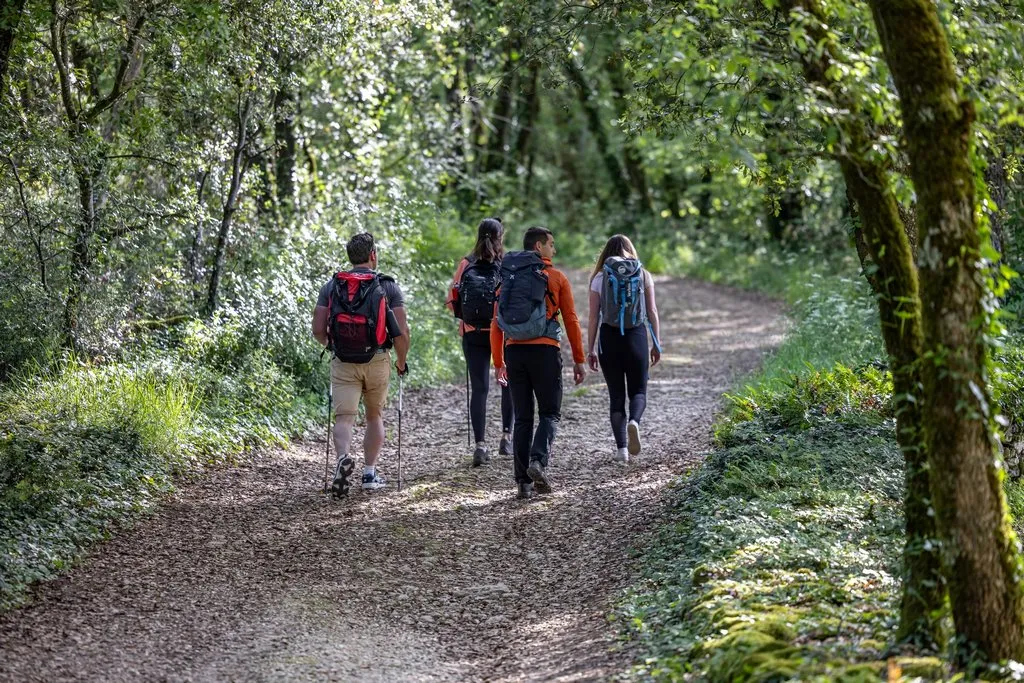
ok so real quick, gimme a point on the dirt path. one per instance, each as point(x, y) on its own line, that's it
point(252, 573)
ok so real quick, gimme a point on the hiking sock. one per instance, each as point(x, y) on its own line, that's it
point(369, 470)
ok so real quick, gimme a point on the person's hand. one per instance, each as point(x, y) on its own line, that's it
point(501, 376)
point(655, 356)
point(402, 367)
point(592, 361)
point(579, 372)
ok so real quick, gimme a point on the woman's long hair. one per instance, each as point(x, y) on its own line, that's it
point(617, 245)
point(488, 247)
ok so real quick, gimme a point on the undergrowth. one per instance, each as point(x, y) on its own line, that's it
point(779, 558)
point(88, 447)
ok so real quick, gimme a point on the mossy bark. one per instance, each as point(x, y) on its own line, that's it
point(895, 282)
point(979, 549)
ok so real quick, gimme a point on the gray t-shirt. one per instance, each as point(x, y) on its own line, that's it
point(391, 290)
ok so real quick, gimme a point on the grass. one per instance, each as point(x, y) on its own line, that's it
point(89, 448)
point(779, 559)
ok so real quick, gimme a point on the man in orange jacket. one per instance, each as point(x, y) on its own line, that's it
point(533, 370)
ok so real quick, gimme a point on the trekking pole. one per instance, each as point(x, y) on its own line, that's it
point(330, 435)
point(469, 429)
point(401, 382)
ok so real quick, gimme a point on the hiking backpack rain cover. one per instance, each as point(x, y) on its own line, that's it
point(477, 293)
point(522, 304)
point(358, 323)
point(623, 303)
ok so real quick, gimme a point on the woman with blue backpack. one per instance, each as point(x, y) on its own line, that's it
point(623, 306)
point(471, 298)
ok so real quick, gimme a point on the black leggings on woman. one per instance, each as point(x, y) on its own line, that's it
point(624, 361)
point(477, 348)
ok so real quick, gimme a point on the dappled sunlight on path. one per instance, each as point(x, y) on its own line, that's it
point(252, 573)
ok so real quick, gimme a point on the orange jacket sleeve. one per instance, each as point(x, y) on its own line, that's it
point(452, 292)
point(497, 341)
point(570, 320)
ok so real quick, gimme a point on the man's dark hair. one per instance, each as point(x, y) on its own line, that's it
point(534, 236)
point(359, 248)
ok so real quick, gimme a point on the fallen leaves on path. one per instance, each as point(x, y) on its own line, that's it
point(252, 573)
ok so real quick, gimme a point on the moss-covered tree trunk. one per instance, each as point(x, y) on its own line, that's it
point(895, 282)
point(979, 548)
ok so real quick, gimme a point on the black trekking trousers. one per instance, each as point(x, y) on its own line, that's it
point(625, 362)
point(534, 372)
point(476, 346)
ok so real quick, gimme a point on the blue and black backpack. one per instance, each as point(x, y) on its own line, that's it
point(522, 303)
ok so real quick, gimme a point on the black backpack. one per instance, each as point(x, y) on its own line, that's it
point(358, 307)
point(522, 304)
point(477, 293)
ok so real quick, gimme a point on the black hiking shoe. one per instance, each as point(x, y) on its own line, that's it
point(480, 456)
point(525, 491)
point(342, 472)
point(505, 447)
point(540, 480)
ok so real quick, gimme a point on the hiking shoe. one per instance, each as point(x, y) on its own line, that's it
point(342, 472)
point(372, 482)
point(633, 434)
point(525, 491)
point(621, 455)
point(480, 456)
point(540, 480)
point(505, 447)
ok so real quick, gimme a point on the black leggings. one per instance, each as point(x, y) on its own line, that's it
point(477, 348)
point(624, 361)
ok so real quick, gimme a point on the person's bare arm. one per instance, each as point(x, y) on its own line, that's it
point(402, 342)
point(592, 323)
point(320, 315)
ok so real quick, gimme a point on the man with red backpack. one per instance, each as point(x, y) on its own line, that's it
point(525, 345)
point(360, 316)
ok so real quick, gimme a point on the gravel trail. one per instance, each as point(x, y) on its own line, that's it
point(251, 573)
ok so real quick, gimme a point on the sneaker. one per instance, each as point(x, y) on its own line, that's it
point(621, 455)
point(372, 482)
point(342, 472)
point(480, 456)
point(505, 447)
point(525, 491)
point(633, 433)
point(540, 480)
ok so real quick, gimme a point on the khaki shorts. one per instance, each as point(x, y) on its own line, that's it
point(350, 381)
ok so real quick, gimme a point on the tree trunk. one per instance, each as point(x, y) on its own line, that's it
point(593, 113)
point(530, 112)
point(81, 258)
point(704, 200)
point(979, 550)
point(889, 248)
point(497, 146)
point(193, 260)
point(10, 18)
point(286, 103)
point(632, 159)
point(997, 180)
point(238, 168)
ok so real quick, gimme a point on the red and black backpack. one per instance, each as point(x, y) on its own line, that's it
point(358, 308)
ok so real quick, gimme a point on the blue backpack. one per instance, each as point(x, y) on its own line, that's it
point(623, 299)
point(623, 303)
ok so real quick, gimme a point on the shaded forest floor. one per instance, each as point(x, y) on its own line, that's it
point(252, 573)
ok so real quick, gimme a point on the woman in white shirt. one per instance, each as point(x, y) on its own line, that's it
point(623, 306)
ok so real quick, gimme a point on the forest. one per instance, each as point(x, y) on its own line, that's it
point(829, 196)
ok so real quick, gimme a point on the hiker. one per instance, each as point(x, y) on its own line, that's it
point(622, 304)
point(360, 316)
point(527, 356)
point(471, 298)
